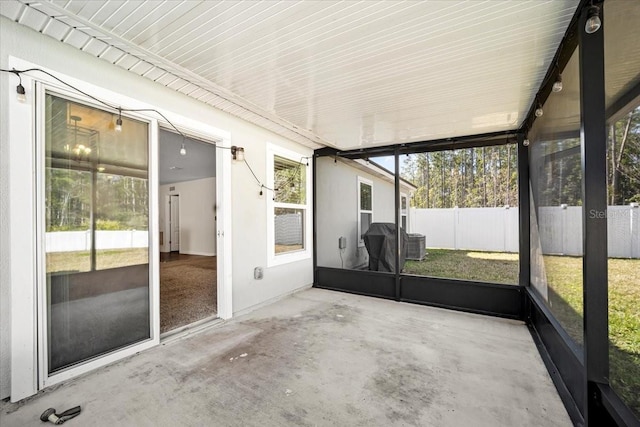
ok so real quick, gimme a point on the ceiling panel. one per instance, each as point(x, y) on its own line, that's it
point(343, 73)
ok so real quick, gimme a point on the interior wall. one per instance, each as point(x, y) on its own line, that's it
point(197, 216)
point(249, 212)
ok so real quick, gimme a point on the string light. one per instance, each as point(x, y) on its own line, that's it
point(118, 126)
point(594, 22)
point(22, 96)
point(539, 111)
point(557, 85)
point(119, 120)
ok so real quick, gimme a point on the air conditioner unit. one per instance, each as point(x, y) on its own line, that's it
point(416, 249)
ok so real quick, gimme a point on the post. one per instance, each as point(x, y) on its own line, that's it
point(396, 153)
point(524, 218)
point(593, 133)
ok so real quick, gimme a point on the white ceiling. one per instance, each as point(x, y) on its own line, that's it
point(198, 163)
point(347, 74)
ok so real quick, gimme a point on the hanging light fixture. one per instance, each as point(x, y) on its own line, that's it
point(594, 22)
point(119, 121)
point(79, 149)
point(237, 153)
point(557, 85)
point(183, 150)
point(21, 96)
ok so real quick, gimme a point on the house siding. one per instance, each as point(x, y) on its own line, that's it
point(337, 210)
point(249, 214)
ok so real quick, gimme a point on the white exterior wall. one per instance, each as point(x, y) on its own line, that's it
point(197, 216)
point(337, 211)
point(249, 215)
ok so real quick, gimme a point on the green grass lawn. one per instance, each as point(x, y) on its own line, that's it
point(494, 267)
point(564, 278)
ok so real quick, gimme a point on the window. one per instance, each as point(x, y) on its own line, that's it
point(95, 217)
point(289, 210)
point(403, 211)
point(365, 207)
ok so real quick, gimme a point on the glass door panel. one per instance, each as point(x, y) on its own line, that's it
point(96, 243)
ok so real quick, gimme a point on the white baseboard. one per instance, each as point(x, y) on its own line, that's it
point(197, 253)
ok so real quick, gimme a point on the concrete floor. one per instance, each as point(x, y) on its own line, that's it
point(321, 358)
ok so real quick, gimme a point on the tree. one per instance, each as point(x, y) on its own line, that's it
point(469, 177)
point(624, 159)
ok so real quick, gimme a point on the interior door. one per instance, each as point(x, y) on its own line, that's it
point(174, 222)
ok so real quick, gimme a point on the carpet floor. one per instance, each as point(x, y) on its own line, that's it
point(188, 290)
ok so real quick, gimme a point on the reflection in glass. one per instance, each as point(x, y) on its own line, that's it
point(96, 232)
point(464, 209)
point(289, 230)
point(290, 178)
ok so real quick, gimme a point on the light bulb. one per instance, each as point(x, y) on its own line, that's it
point(22, 97)
point(539, 111)
point(557, 85)
point(183, 151)
point(118, 124)
point(525, 142)
point(593, 23)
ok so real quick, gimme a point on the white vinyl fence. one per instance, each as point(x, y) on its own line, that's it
point(72, 241)
point(486, 229)
point(496, 229)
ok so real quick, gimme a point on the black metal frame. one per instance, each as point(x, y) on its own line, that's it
point(594, 229)
point(477, 297)
point(580, 374)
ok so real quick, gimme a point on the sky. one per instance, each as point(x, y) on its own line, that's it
point(386, 162)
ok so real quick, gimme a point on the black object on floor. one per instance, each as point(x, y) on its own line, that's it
point(50, 415)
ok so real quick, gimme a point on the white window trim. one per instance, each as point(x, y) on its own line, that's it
point(274, 259)
point(362, 180)
point(404, 212)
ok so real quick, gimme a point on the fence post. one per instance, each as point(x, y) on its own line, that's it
point(634, 218)
point(456, 216)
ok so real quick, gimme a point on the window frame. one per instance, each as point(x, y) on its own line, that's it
point(273, 258)
point(362, 180)
point(404, 212)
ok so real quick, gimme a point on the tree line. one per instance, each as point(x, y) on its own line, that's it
point(464, 178)
point(487, 176)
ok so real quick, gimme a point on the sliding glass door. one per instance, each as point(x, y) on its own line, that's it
point(95, 233)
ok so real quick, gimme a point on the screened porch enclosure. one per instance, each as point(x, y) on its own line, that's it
point(537, 224)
